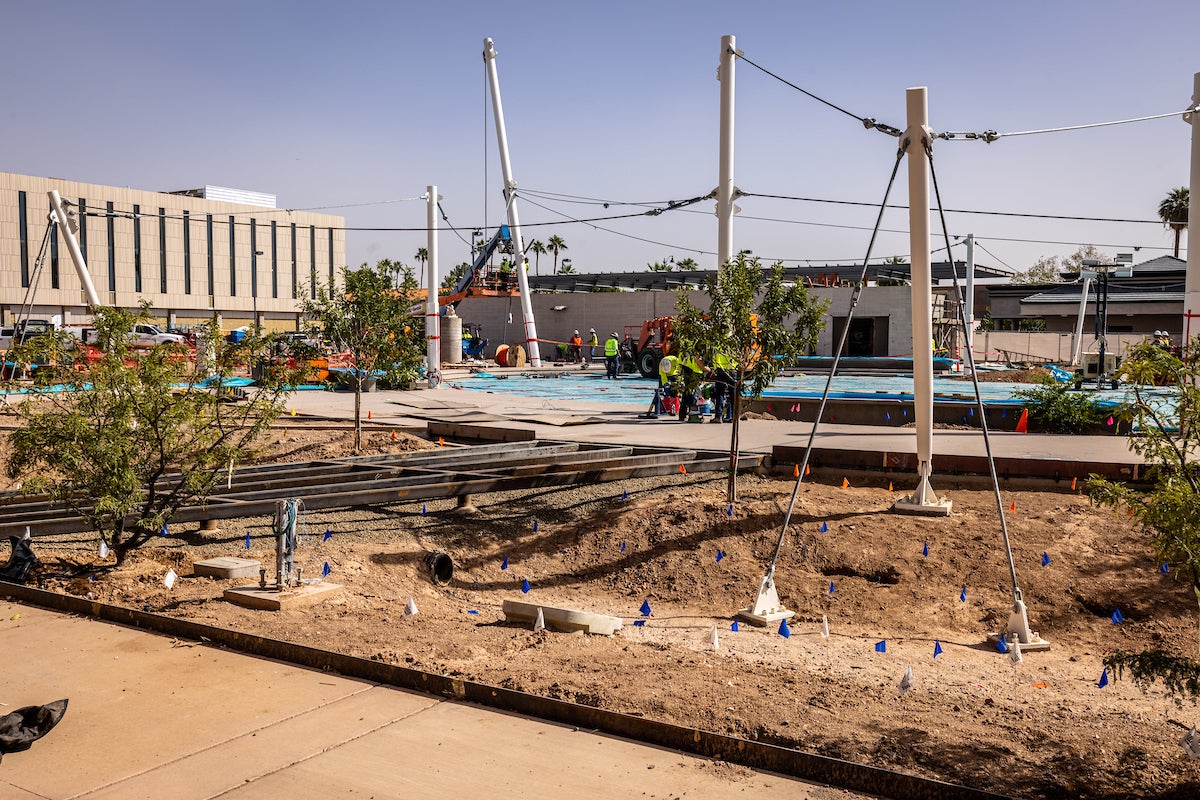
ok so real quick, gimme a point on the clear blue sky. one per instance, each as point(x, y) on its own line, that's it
point(330, 104)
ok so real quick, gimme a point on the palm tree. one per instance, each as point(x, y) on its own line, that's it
point(422, 256)
point(537, 248)
point(567, 269)
point(1173, 211)
point(555, 244)
point(687, 265)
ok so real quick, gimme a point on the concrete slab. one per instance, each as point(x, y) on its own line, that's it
point(561, 619)
point(275, 599)
point(227, 567)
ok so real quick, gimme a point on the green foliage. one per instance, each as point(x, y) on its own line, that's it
point(669, 264)
point(1048, 268)
point(1055, 408)
point(1169, 512)
point(1180, 675)
point(555, 244)
point(455, 275)
point(761, 327)
point(126, 438)
point(566, 269)
point(368, 317)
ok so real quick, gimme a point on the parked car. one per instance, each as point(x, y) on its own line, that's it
point(147, 335)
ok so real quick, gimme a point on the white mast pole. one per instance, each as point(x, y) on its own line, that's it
point(433, 334)
point(1077, 347)
point(915, 138)
point(1191, 290)
point(510, 201)
point(64, 224)
point(969, 311)
point(725, 190)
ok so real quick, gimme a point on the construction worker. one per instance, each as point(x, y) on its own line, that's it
point(593, 343)
point(576, 349)
point(612, 348)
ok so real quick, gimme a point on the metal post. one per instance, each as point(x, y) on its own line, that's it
point(510, 201)
point(915, 139)
point(1077, 348)
point(1191, 291)
point(85, 279)
point(725, 189)
point(969, 310)
point(433, 333)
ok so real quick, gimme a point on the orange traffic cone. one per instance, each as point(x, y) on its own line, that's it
point(1012, 508)
point(1023, 422)
point(845, 483)
point(368, 414)
point(441, 442)
point(1073, 483)
point(682, 469)
point(807, 470)
point(889, 486)
point(393, 436)
point(796, 471)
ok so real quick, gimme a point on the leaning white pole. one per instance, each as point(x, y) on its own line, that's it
point(64, 224)
point(1077, 347)
point(1191, 287)
point(915, 138)
point(725, 190)
point(969, 311)
point(510, 201)
point(433, 332)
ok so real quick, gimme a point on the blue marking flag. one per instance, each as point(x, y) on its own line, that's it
point(325, 570)
point(535, 526)
point(1002, 644)
point(639, 623)
point(163, 532)
point(881, 646)
point(937, 648)
point(729, 511)
point(423, 510)
point(720, 555)
point(963, 597)
point(622, 545)
point(784, 630)
point(824, 527)
point(472, 611)
point(624, 495)
point(645, 609)
point(1045, 559)
point(247, 540)
point(831, 587)
point(1103, 679)
point(525, 587)
point(327, 536)
point(925, 550)
point(971, 411)
point(905, 412)
point(734, 626)
point(887, 415)
point(504, 563)
point(1117, 617)
point(1165, 568)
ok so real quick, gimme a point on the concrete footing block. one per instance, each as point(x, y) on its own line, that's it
point(226, 567)
point(561, 619)
point(276, 599)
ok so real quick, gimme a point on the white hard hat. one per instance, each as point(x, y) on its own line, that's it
point(577, 333)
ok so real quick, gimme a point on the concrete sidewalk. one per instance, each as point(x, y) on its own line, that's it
point(153, 717)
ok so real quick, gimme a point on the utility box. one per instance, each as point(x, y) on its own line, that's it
point(1091, 363)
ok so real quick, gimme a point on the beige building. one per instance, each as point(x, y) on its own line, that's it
point(190, 253)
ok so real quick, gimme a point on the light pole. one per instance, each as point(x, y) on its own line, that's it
point(254, 254)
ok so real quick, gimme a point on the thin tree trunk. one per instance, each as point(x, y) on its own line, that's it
point(358, 383)
point(733, 440)
point(1178, 232)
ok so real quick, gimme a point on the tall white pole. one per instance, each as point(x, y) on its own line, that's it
point(725, 190)
point(969, 311)
point(64, 224)
point(433, 322)
point(510, 201)
point(1191, 288)
point(1077, 347)
point(915, 138)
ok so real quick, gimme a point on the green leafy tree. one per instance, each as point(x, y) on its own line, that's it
point(455, 275)
point(687, 265)
point(134, 435)
point(1173, 211)
point(369, 319)
point(555, 245)
point(538, 249)
point(1048, 269)
point(760, 323)
point(1169, 511)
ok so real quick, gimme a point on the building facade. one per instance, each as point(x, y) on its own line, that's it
point(191, 254)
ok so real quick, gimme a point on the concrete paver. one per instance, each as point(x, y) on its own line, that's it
point(152, 717)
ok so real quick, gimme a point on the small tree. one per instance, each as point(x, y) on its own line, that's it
point(538, 249)
point(1169, 512)
point(369, 319)
point(760, 328)
point(133, 436)
point(1049, 269)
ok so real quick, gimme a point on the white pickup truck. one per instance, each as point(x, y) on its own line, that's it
point(150, 335)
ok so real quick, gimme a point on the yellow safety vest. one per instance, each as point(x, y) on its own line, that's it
point(611, 347)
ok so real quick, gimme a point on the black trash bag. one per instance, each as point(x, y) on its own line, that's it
point(20, 562)
point(20, 729)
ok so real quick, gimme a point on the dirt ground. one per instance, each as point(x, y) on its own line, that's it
point(1040, 728)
